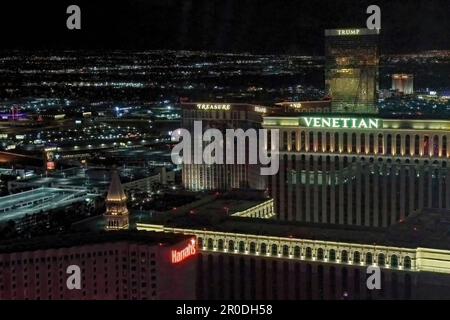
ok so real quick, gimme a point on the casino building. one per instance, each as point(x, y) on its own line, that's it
point(222, 116)
point(359, 171)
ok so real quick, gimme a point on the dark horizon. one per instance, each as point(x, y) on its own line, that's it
point(259, 27)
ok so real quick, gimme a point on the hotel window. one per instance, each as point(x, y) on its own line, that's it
point(345, 142)
point(394, 261)
point(231, 245)
point(320, 254)
point(426, 145)
point(389, 144)
point(332, 255)
point(398, 144)
point(380, 144)
point(311, 142)
point(363, 143)
point(444, 146)
point(274, 250)
point(263, 248)
point(319, 142)
point(407, 263)
point(416, 145)
point(220, 244)
point(344, 256)
point(369, 258)
point(381, 260)
point(371, 143)
point(336, 141)
point(327, 142)
point(407, 145)
point(210, 244)
point(293, 141)
point(356, 257)
point(297, 252)
point(308, 253)
point(252, 247)
point(353, 147)
point(436, 146)
point(302, 141)
point(241, 247)
point(285, 251)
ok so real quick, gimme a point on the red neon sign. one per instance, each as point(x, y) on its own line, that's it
point(180, 255)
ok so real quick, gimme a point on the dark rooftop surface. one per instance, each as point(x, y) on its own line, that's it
point(89, 238)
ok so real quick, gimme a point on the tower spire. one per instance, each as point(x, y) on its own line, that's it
point(117, 216)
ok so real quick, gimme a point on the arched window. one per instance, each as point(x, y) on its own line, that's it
point(319, 142)
point(356, 257)
point(371, 143)
point(353, 147)
point(285, 251)
point(388, 144)
point(302, 141)
point(308, 253)
point(220, 244)
point(327, 142)
point(344, 256)
point(263, 248)
point(210, 244)
point(398, 144)
point(320, 254)
point(274, 250)
point(444, 146)
point(416, 145)
point(231, 245)
point(297, 252)
point(369, 258)
point(394, 261)
point(332, 255)
point(363, 143)
point(252, 247)
point(345, 142)
point(336, 142)
point(381, 260)
point(311, 141)
point(241, 247)
point(436, 146)
point(407, 145)
point(200, 243)
point(407, 263)
point(380, 144)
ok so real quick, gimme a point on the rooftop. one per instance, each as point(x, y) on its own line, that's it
point(80, 239)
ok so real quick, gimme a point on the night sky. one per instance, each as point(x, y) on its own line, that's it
point(275, 26)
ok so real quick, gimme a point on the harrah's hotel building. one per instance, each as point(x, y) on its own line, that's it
point(350, 166)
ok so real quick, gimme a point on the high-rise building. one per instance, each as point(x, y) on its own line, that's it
point(222, 116)
point(351, 70)
point(403, 83)
point(116, 205)
point(364, 171)
point(112, 265)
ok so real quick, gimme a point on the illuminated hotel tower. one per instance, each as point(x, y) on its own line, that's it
point(222, 116)
point(351, 69)
point(116, 208)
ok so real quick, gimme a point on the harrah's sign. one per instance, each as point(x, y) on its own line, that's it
point(180, 255)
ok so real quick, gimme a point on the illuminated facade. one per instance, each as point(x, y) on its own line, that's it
point(403, 83)
point(222, 116)
point(116, 205)
point(113, 266)
point(351, 70)
point(359, 171)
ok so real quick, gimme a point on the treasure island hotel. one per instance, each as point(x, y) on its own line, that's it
point(352, 167)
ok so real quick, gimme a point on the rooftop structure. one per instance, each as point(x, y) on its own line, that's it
point(16, 206)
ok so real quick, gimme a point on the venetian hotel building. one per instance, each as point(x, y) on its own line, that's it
point(359, 170)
